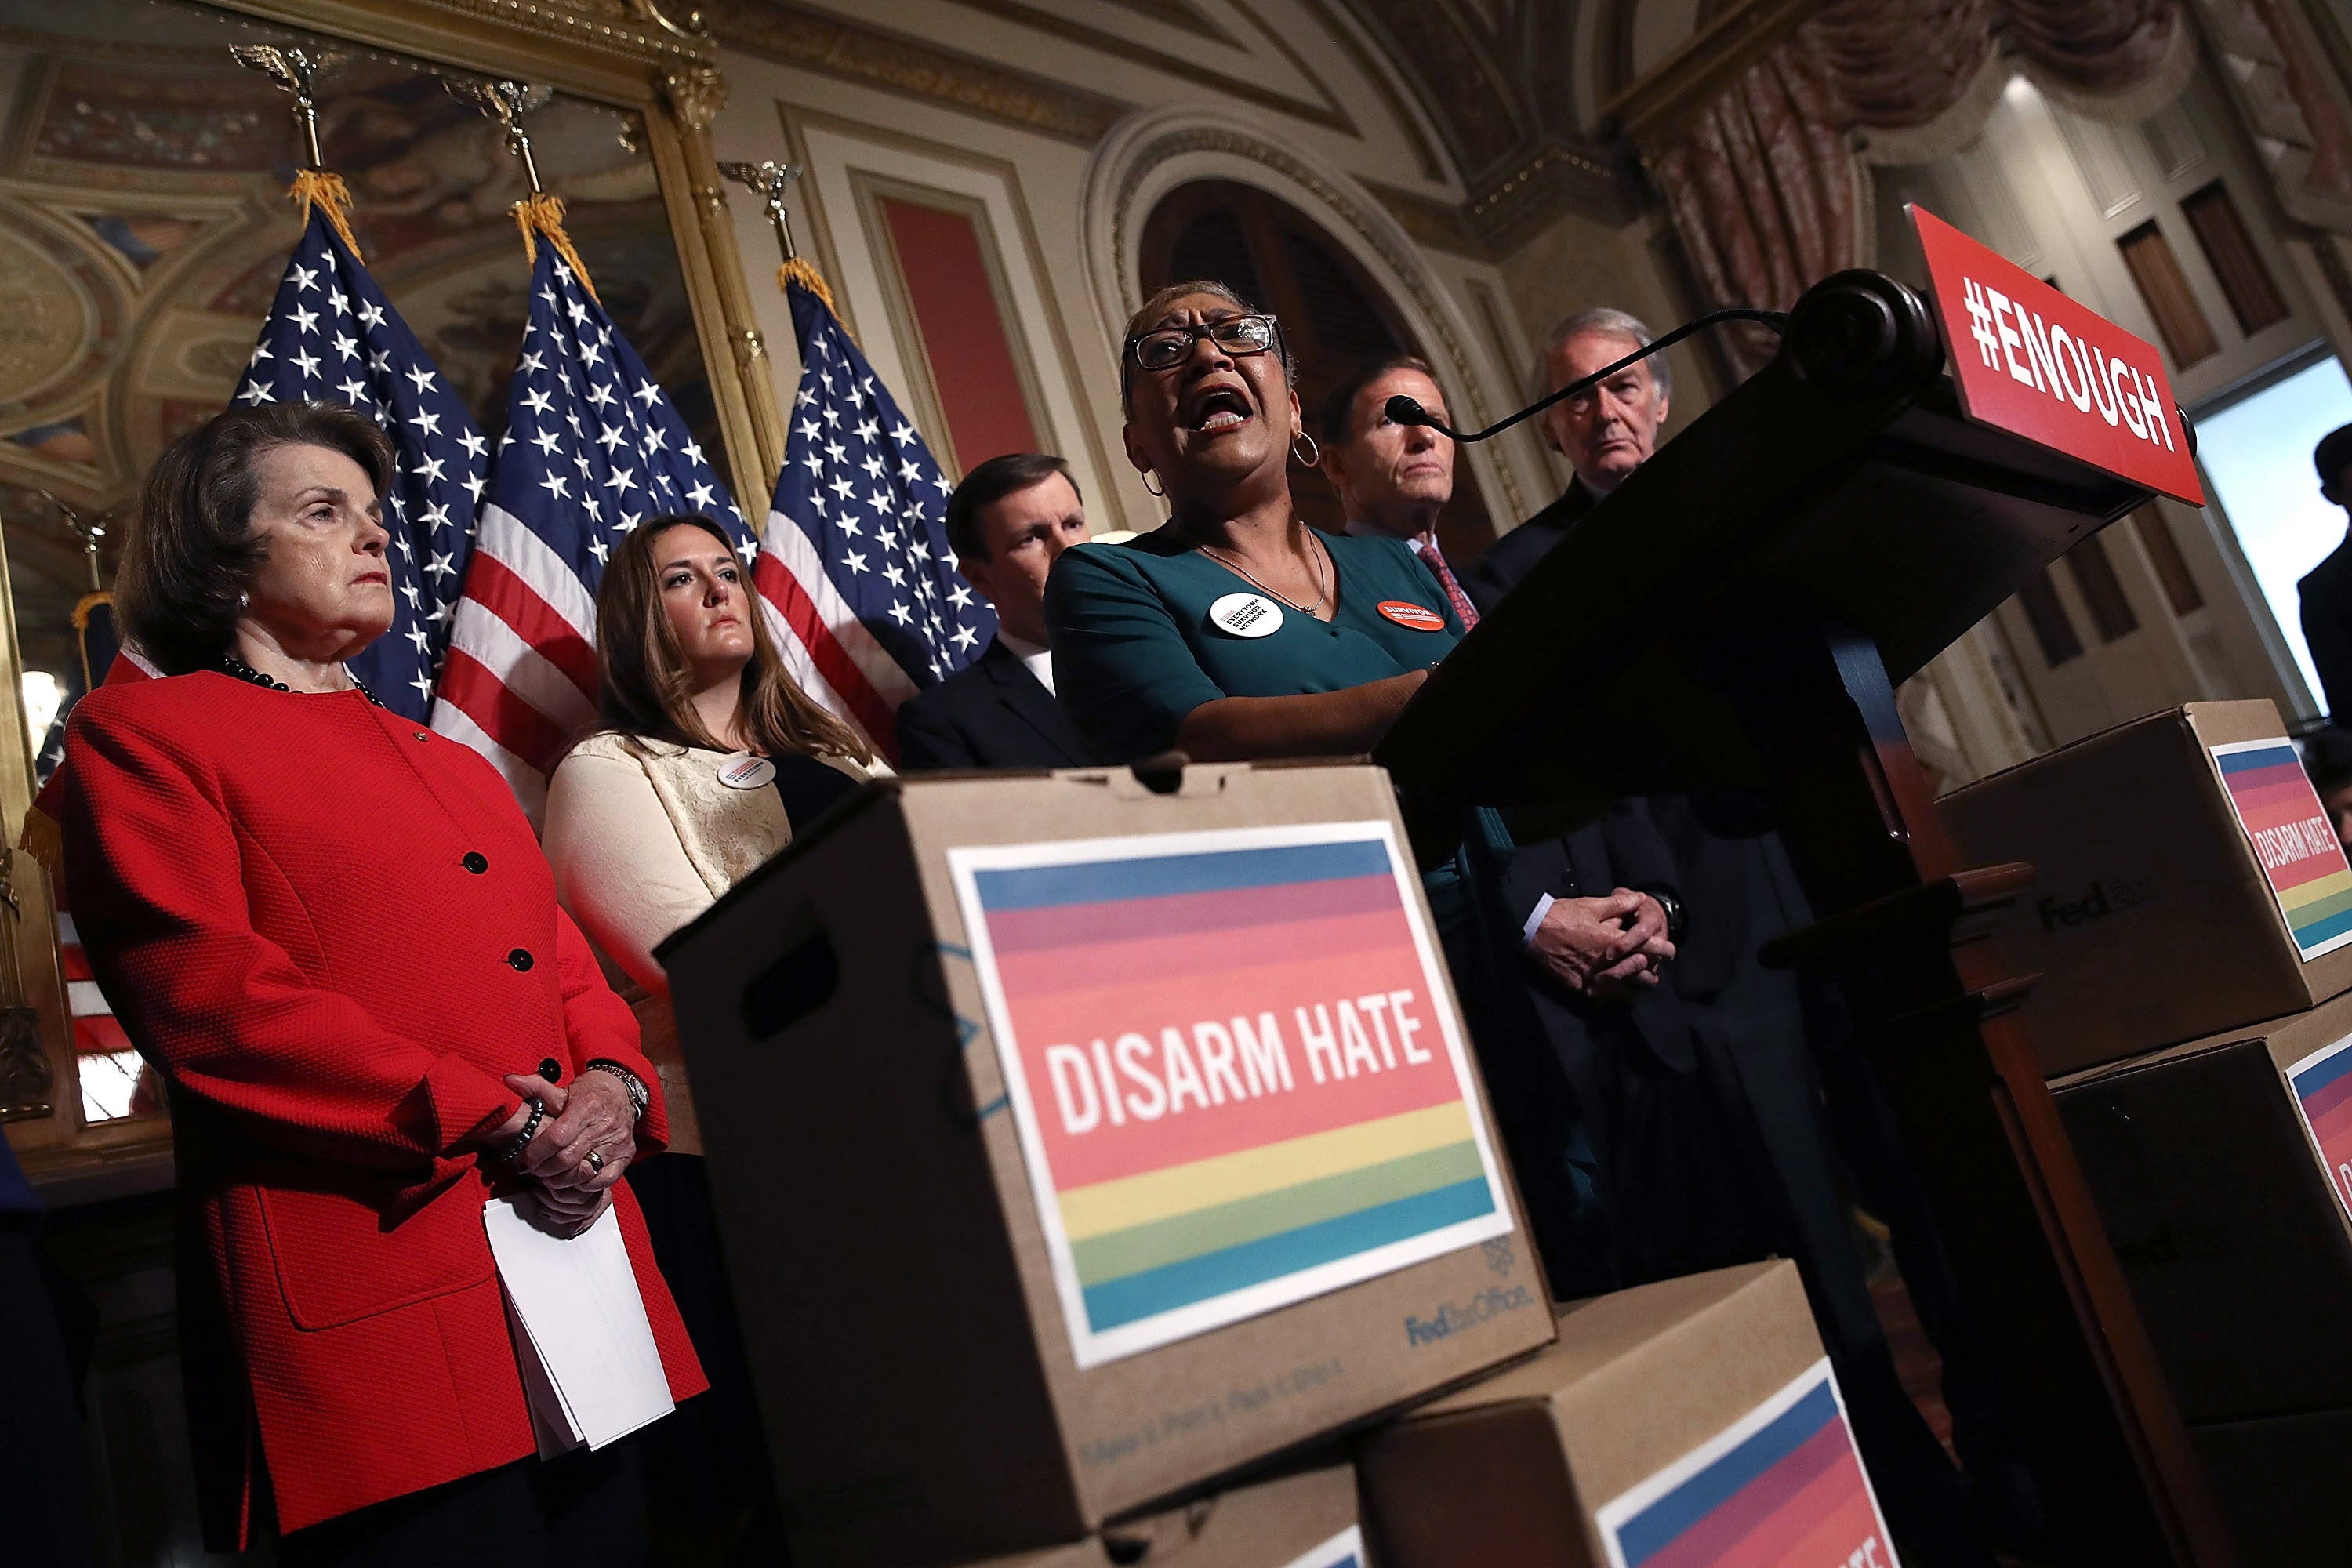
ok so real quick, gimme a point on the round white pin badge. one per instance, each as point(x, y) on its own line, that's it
point(744, 771)
point(1245, 616)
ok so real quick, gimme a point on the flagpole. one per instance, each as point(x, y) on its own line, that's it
point(769, 180)
point(540, 214)
point(298, 73)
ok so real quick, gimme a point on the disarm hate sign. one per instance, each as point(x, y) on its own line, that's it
point(1236, 1075)
point(2031, 360)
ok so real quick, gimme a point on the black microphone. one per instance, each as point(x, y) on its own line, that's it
point(1403, 410)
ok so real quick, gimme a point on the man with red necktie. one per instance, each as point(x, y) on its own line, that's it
point(1393, 478)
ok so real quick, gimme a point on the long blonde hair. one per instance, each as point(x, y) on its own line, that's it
point(642, 676)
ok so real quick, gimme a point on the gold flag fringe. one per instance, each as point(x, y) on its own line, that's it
point(542, 215)
point(331, 196)
point(45, 841)
point(798, 272)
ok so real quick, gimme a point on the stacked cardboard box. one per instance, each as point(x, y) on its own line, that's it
point(2186, 881)
point(1694, 1421)
point(1080, 1146)
point(2191, 922)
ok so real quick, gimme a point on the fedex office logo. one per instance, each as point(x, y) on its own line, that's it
point(2071, 369)
point(2107, 896)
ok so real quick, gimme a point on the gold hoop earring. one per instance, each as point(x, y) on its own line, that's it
point(1314, 452)
point(1147, 485)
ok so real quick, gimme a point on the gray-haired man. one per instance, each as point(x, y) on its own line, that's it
point(1605, 432)
point(1754, 1074)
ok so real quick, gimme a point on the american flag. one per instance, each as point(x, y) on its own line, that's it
point(591, 448)
point(855, 559)
point(114, 1081)
point(332, 337)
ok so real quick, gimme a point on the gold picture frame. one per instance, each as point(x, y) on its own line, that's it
point(624, 54)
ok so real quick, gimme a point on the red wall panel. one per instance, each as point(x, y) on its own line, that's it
point(965, 335)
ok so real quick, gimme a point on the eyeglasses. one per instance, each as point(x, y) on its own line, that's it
point(1169, 347)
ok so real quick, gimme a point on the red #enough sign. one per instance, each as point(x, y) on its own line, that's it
point(2038, 364)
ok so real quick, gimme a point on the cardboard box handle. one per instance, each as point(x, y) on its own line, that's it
point(796, 984)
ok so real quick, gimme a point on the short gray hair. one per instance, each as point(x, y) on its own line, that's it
point(1599, 318)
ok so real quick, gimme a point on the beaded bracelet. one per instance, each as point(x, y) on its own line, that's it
point(513, 1156)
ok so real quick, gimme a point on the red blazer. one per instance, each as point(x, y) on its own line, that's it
point(333, 932)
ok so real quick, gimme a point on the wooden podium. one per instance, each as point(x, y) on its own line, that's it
point(1735, 615)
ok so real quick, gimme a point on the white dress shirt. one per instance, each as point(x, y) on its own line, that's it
point(1039, 661)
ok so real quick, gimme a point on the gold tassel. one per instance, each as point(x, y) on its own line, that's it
point(798, 272)
point(543, 214)
point(45, 841)
point(333, 197)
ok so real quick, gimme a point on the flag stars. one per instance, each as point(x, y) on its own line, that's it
point(305, 278)
point(553, 484)
point(308, 362)
point(306, 319)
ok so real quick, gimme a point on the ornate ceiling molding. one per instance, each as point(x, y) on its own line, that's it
point(1498, 83)
point(874, 56)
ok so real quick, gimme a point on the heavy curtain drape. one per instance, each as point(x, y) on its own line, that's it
point(1764, 185)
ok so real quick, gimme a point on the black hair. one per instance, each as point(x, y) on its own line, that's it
point(2331, 457)
point(1336, 425)
point(991, 482)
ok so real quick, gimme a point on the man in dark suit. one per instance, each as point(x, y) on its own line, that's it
point(1753, 1033)
point(1605, 432)
point(2326, 591)
point(1560, 945)
point(1007, 523)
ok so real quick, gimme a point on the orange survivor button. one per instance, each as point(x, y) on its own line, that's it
point(1405, 613)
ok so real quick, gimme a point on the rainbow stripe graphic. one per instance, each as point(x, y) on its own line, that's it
point(2323, 1092)
point(1234, 1069)
point(1782, 1487)
point(2292, 840)
point(1344, 1549)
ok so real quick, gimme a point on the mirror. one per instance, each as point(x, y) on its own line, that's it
point(144, 227)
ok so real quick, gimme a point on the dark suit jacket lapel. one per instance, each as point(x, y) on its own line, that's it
point(1026, 697)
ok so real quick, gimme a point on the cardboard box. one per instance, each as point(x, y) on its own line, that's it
point(2280, 1483)
point(1304, 1520)
point(2205, 1162)
point(1684, 1421)
point(1076, 1143)
point(2188, 881)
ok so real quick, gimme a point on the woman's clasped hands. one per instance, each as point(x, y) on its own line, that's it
point(585, 1142)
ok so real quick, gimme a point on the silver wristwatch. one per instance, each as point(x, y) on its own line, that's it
point(639, 1096)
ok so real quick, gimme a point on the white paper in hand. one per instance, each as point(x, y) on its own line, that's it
point(590, 1367)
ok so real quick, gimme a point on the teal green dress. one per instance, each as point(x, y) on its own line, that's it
point(1147, 631)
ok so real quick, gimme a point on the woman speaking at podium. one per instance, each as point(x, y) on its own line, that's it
point(1235, 631)
point(332, 932)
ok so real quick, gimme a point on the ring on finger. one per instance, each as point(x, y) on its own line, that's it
point(595, 1160)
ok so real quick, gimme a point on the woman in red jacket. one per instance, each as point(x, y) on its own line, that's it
point(332, 932)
